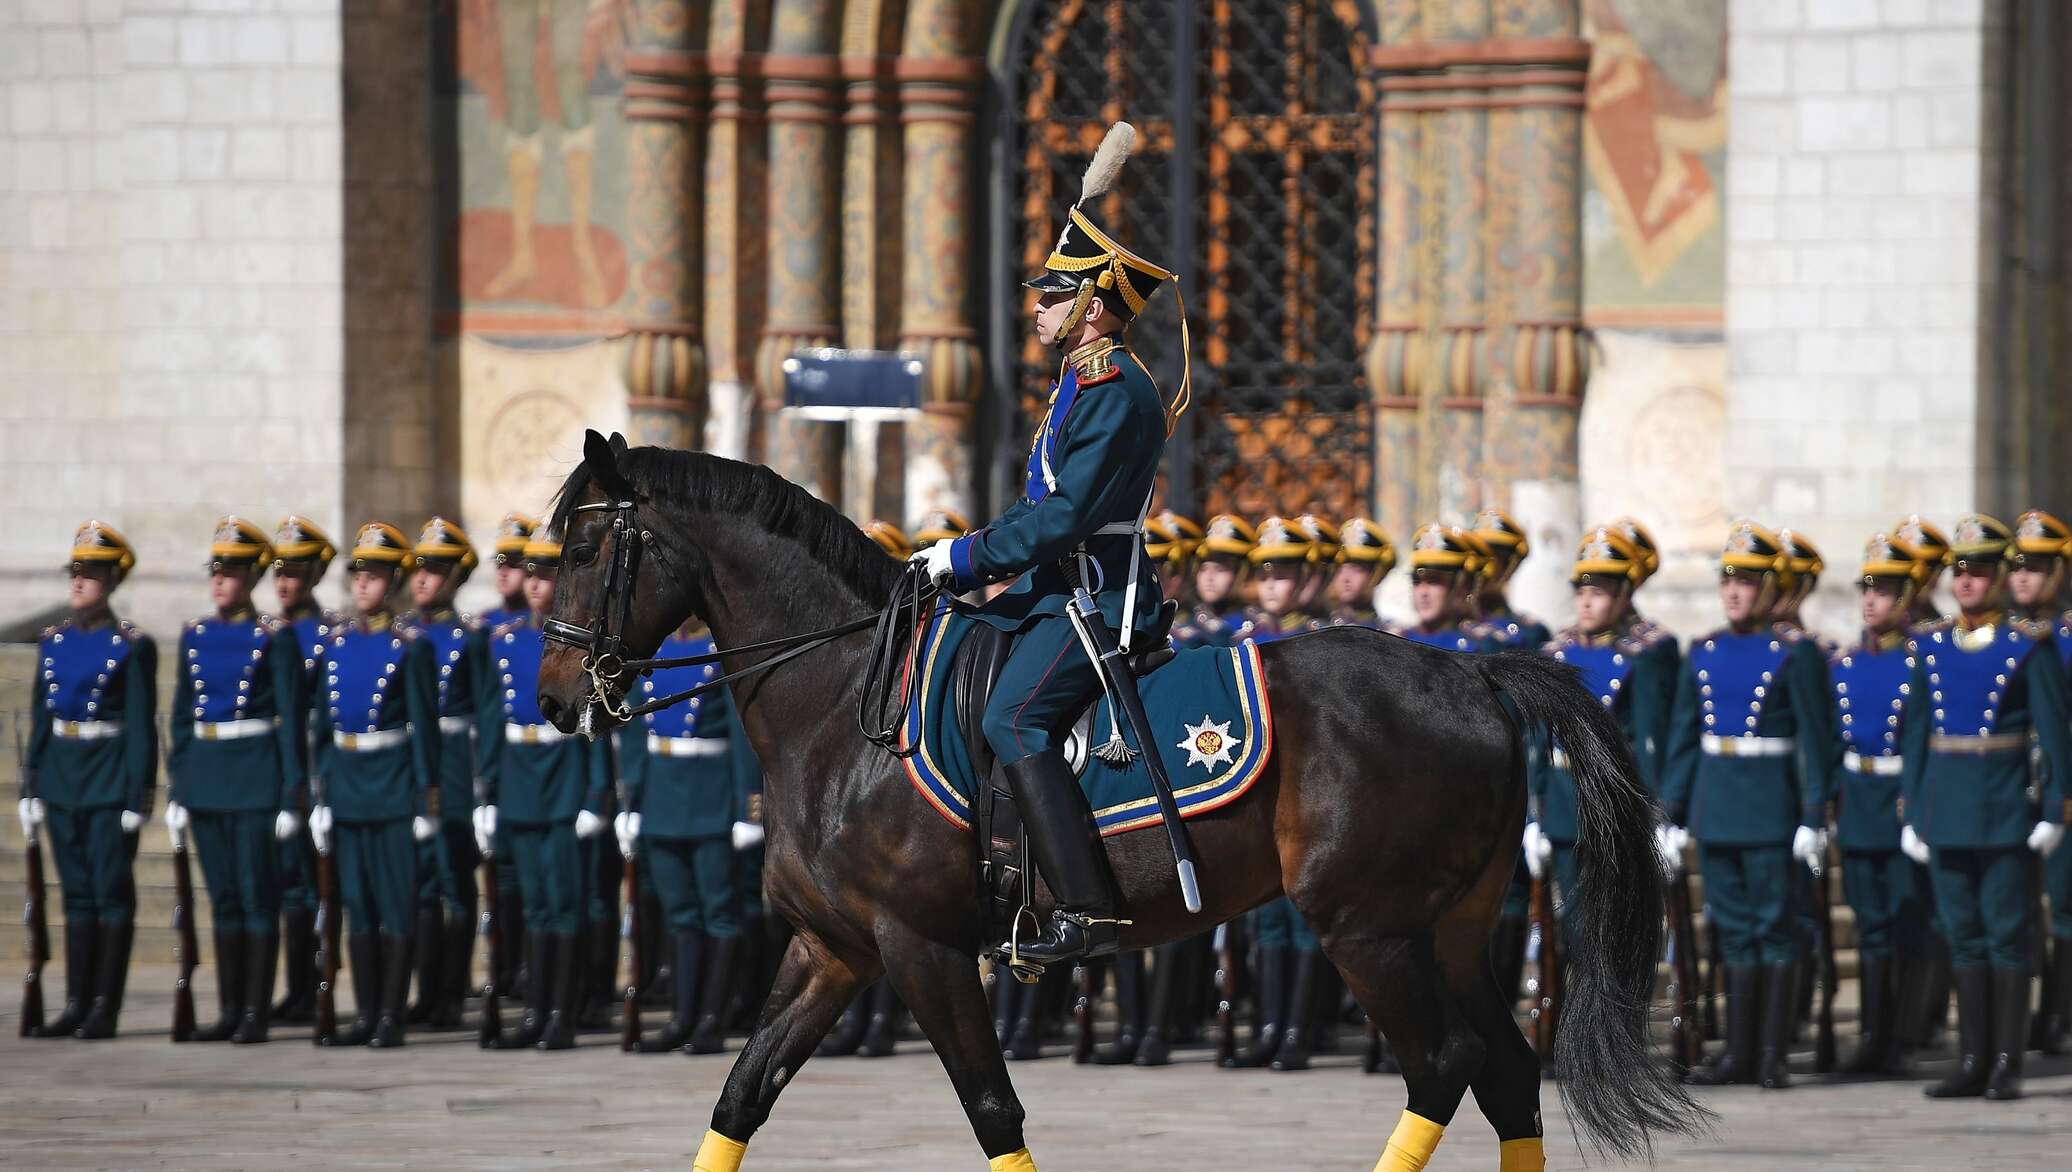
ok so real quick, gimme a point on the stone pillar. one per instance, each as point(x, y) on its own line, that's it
point(736, 172)
point(800, 79)
point(870, 258)
point(1395, 356)
point(939, 78)
point(666, 106)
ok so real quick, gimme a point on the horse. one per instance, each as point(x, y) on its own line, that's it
point(1391, 811)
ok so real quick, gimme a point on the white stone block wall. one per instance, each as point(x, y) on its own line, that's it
point(170, 281)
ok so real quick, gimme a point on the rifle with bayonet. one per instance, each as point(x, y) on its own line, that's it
point(1687, 1035)
point(34, 914)
point(1545, 986)
point(328, 932)
point(1824, 922)
point(492, 1026)
point(1226, 994)
point(629, 933)
point(186, 948)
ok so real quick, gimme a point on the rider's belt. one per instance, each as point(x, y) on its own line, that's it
point(1557, 758)
point(1978, 746)
point(1115, 529)
point(453, 725)
point(1887, 766)
point(86, 730)
point(1719, 746)
point(532, 734)
point(661, 746)
point(368, 742)
point(235, 730)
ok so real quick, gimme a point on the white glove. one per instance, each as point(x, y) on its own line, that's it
point(286, 824)
point(320, 828)
point(747, 835)
point(1670, 842)
point(588, 824)
point(32, 815)
point(627, 826)
point(422, 828)
point(936, 560)
point(2045, 838)
point(1911, 846)
point(485, 830)
point(176, 823)
point(1808, 845)
point(132, 821)
point(1538, 849)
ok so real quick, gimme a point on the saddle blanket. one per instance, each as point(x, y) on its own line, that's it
point(1208, 709)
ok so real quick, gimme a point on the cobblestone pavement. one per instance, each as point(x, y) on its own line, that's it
point(140, 1102)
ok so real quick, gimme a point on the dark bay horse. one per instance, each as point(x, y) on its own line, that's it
point(1391, 811)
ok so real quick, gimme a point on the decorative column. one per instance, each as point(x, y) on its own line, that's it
point(800, 87)
point(665, 106)
point(736, 172)
point(870, 261)
point(939, 75)
point(1396, 356)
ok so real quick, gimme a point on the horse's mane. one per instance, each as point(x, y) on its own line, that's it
point(705, 483)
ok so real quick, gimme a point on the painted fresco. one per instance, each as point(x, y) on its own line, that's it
point(1655, 143)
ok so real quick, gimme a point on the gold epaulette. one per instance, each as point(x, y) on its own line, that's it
point(2040, 630)
point(1941, 623)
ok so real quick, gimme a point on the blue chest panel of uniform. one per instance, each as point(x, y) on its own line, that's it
point(1605, 669)
point(449, 642)
point(1448, 639)
point(518, 652)
point(1043, 452)
point(1870, 690)
point(224, 665)
point(1969, 688)
point(1737, 674)
point(362, 680)
point(311, 633)
point(678, 720)
point(78, 666)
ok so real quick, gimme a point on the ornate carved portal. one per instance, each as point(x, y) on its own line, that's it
point(1255, 179)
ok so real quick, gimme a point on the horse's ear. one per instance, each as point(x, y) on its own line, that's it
point(618, 443)
point(603, 461)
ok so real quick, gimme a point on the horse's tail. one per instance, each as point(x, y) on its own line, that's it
point(1617, 1089)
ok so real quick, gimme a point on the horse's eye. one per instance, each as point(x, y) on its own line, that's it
point(583, 555)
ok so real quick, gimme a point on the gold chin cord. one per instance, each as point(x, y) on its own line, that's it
point(1078, 314)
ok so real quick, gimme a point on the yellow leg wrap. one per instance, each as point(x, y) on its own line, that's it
point(1521, 1155)
point(1411, 1147)
point(1020, 1161)
point(719, 1154)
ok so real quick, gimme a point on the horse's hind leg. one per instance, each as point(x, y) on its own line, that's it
point(1398, 982)
point(1507, 1088)
point(941, 985)
point(811, 988)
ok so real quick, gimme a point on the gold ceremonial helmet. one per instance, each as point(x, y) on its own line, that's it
point(2038, 534)
point(1979, 538)
point(1801, 557)
point(1448, 547)
point(1229, 535)
point(939, 525)
point(511, 535)
point(379, 546)
point(1323, 536)
point(1282, 540)
point(299, 539)
point(442, 540)
point(1604, 550)
point(1361, 540)
point(239, 543)
point(98, 543)
point(1643, 543)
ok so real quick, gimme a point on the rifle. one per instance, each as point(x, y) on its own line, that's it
point(1544, 989)
point(491, 929)
point(186, 949)
point(327, 929)
point(1709, 1009)
point(1824, 920)
point(1687, 1037)
point(629, 932)
point(1226, 996)
point(34, 915)
point(1083, 1014)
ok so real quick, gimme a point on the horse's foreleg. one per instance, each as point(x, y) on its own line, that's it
point(1398, 982)
point(811, 988)
point(941, 985)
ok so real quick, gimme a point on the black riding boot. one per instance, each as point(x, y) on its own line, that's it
point(1129, 1012)
point(537, 965)
point(1736, 1063)
point(396, 957)
point(2048, 1035)
point(709, 1036)
point(1156, 1048)
point(1070, 858)
point(299, 947)
point(882, 1034)
point(1780, 1019)
point(847, 1035)
point(1507, 955)
point(1272, 997)
point(1974, 1021)
point(560, 1031)
point(111, 976)
point(456, 954)
point(430, 943)
point(230, 987)
point(260, 954)
point(686, 958)
point(1297, 1034)
point(81, 939)
point(1874, 1052)
point(2010, 1033)
point(363, 957)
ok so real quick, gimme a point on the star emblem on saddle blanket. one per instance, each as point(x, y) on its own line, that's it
point(1209, 743)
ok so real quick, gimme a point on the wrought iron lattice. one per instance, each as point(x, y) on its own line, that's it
point(1279, 158)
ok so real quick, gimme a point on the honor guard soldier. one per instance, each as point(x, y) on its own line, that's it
point(235, 772)
point(511, 535)
point(93, 756)
point(1802, 560)
point(1283, 563)
point(1502, 626)
point(1630, 665)
point(543, 793)
point(302, 553)
point(1323, 538)
point(1746, 771)
point(890, 538)
point(447, 895)
point(1218, 617)
point(692, 796)
point(376, 727)
point(1091, 471)
point(1365, 557)
point(1171, 540)
point(1446, 568)
point(2036, 584)
point(1982, 688)
point(1934, 547)
point(1870, 681)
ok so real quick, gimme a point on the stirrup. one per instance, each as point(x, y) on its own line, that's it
point(1021, 970)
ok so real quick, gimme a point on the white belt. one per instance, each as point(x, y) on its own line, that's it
point(235, 730)
point(1557, 758)
point(453, 724)
point(1856, 762)
point(532, 734)
point(1719, 746)
point(661, 746)
point(86, 730)
point(1979, 745)
point(368, 742)
point(1115, 529)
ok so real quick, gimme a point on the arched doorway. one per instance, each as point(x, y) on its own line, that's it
point(1255, 180)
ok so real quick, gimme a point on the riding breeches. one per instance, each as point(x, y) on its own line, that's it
point(1046, 681)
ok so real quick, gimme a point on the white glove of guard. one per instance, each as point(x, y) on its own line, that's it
point(2045, 838)
point(31, 810)
point(320, 828)
point(1670, 842)
point(936, 559)
point(747, 835)
point(422, 828)
point(132, 821)
point(588, 824)
point(1911, 846)
point(485, 830)
point(1808, 845)
point(627, 826)
point(176, 823)
point(1537, 850)
point(286, 825)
